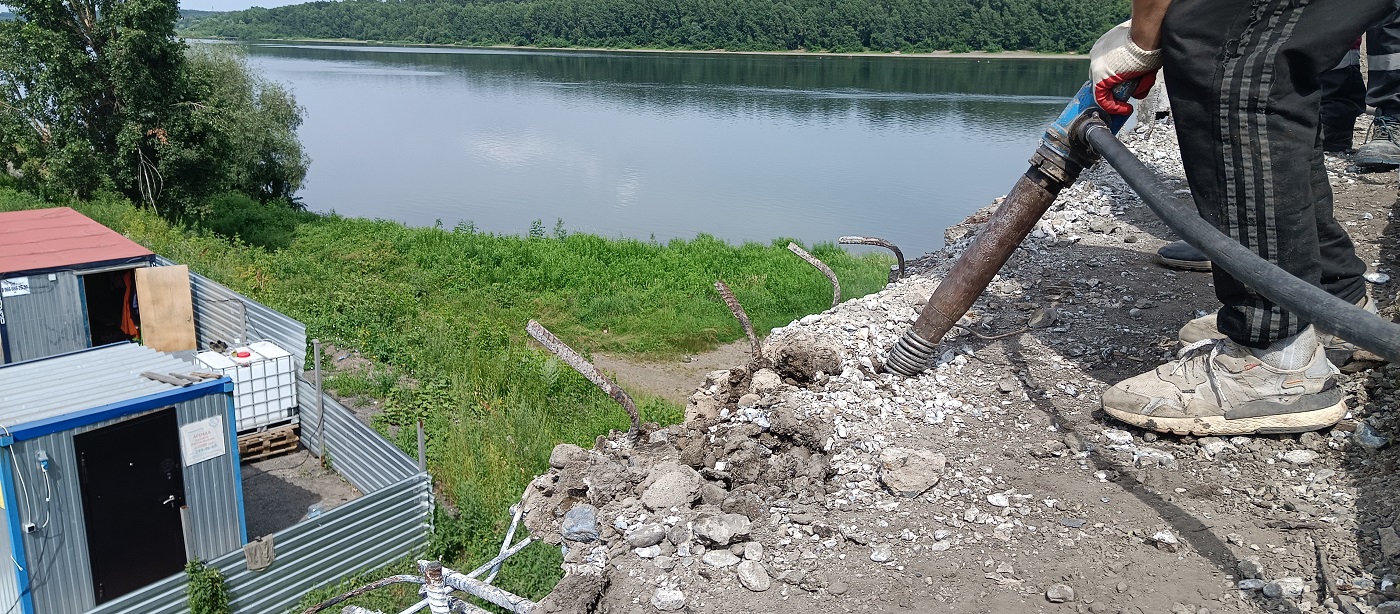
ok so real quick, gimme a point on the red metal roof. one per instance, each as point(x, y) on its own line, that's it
point(57, 238)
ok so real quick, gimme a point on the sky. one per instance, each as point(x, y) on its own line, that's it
point(233, 5)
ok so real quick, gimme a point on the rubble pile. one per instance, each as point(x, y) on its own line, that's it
point(810, 478)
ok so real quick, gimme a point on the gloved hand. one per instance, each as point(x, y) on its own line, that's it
point(1114, 60)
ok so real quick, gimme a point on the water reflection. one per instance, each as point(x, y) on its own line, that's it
point(745, 147)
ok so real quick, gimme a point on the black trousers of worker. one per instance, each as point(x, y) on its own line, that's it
point(1246, 99)
point(1345, 94)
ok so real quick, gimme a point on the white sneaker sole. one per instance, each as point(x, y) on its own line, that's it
point(1299, 422)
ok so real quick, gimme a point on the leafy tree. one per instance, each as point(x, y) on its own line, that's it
point(101, 95)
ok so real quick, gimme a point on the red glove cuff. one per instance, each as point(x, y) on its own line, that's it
point(1103, 91)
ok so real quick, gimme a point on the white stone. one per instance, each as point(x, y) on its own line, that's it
point(668, 599)
point(753, 576)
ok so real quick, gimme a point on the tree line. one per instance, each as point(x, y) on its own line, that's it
point(101, 96)
point(738, 25)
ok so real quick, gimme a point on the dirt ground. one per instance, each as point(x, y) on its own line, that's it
point(280, 491)
point(1030, 499)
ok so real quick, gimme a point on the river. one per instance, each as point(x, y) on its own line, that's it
point(662, 145)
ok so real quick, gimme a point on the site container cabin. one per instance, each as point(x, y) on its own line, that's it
point(66, 283)
point(112, 480)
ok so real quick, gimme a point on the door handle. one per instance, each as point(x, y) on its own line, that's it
point(168, 501)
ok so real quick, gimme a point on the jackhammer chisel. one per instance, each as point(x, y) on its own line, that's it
point(1074, 141)
point(1055, 165)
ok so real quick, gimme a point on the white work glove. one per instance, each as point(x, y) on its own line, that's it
point(1115, 60)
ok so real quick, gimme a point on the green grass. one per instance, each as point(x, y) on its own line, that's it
point(442, 314)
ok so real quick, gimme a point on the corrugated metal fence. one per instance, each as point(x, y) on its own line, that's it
point(224, 315)
point(388, 523)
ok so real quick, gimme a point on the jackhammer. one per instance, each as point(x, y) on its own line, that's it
point(1074, 141)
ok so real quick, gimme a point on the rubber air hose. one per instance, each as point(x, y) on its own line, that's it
point(1313, 304)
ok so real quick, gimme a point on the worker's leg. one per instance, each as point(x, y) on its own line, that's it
point(1246, 96)
point(1381, 151)
point(1343, 100)
point(1383, 66)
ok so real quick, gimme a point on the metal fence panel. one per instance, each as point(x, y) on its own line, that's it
point(49, 320)
point(367, 533)
point(220, 314)
point(365, 458)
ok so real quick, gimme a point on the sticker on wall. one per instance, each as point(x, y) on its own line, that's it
point(203, 440)
point(14, 286)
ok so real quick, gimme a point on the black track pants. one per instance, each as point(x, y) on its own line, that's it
point(1345, 94)
point(1246, 97)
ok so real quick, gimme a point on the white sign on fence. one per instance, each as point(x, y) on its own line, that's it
point(203, 440)
point(14, 286)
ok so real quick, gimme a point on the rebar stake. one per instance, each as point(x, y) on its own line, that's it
point(585, 368)
point(377, 584)
point(821, 266)
point(878, 242)
point(738, 310)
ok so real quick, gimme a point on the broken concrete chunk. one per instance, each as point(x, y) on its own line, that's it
point(581, 523)
point(720, 530)
point(1390, 542)
point(564, 453)
point(1059, 593)
point(801, 353)
point(668, 599)
point(646, 535)
point(754, 577)
point(720, 558)
point(909, 473)
point(765, 382)
point(672, 485)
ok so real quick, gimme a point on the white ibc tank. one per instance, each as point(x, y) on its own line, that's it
point(264, 376)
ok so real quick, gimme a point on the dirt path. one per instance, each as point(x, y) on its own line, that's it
point(672, 380)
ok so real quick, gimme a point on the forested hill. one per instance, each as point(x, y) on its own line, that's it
point(740, 25)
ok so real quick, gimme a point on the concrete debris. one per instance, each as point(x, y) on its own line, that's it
point(1389, 542)
point(1059, 593)
point(565, 453)
point(1291, 588)
point(646, 535)
point(668, 599)
point(753, 576)
point(672, 485)
point(909, 473)
point(720, 530)
point(581, 523)
point(809, 479)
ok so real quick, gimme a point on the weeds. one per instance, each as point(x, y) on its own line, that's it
point(444, 312)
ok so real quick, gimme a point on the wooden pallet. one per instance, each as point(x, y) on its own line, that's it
point(268, 443)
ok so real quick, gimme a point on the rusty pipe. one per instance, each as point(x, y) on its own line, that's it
point(1056, 164)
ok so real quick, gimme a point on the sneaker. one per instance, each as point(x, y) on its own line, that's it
point(1183, 255)
point(1217, 387)
point(1380, 151)
point(1339, 350)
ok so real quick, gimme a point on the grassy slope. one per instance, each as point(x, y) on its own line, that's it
point(443, 314)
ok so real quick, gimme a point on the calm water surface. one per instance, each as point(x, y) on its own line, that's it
point(666, 145)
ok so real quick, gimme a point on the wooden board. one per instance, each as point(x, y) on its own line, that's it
point(167, 311)
point(269, 443)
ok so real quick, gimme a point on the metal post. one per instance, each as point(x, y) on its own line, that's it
point(320, 400)
point(422, 448)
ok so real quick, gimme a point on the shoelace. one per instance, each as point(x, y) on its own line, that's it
point(1184, 355)
point(1384, 126)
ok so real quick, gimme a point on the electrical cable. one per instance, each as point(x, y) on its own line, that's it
point(1328, 313)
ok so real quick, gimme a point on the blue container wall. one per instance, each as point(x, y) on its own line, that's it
point(9, 581)
point(49, 320)
point(57, 555)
